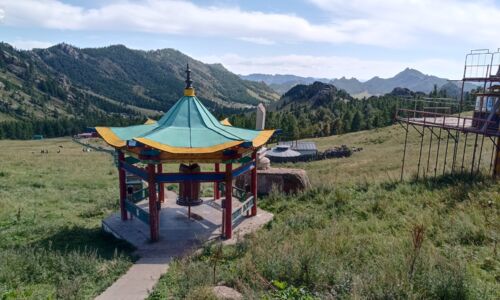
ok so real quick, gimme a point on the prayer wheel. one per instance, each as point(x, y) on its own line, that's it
point(189, 191)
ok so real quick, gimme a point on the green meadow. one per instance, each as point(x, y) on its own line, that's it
point(51, 206)
point(358, 233)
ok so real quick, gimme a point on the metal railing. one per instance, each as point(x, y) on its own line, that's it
point(470, 124)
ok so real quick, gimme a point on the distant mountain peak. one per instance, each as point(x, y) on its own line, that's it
point(65, 48)
point(411, 70)
point(282, 83)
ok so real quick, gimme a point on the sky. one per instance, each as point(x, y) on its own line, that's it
point(318, 38)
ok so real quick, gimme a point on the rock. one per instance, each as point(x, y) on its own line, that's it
point(282, 179)
point(263, 163)
point(226, 293)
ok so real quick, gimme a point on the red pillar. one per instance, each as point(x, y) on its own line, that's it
point(253, 184)
point(216, 184)
point(496, 167)
point(161, 191)
point(228, 202)
point(122, 185)
point(153, 208)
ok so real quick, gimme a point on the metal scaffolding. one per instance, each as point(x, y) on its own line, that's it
point(461, 128)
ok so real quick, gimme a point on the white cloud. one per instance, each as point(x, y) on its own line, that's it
point(473, 21)
point(333, 66)
point(30, 44)
point(257, 40)
point(388, 23)
point(2, 15)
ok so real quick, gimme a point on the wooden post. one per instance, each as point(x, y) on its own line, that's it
point(161, 186)
point(228, 202)
point(122, 185)
point(216, 184)
point(253, 184)
point(153, 207)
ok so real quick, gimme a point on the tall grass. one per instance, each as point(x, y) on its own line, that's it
point(51, 206)
point(420, 240)
point(45, 272)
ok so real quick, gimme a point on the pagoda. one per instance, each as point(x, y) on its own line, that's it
point(188, 134)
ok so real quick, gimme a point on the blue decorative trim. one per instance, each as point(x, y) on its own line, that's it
point(134, 143)
point(150, 152)
point(229, 152)
point(243, 169)
point(242, 210)
point(135, 170)
point(201, 177)
point(138, 196)
point(135, 210)
point(246, 145)
point(131, 160)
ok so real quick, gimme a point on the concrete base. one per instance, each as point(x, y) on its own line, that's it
point(179, 235)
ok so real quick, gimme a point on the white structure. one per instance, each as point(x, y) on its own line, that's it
point(261, 117)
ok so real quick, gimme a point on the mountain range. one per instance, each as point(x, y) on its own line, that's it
point(409, 78)
point(282, 83)
point(64, 80)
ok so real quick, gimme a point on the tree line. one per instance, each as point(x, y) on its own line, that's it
point(302, 120)
point(24, 130)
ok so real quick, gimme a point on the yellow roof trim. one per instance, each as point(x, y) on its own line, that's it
point(110, 137)
point(226, 122)
point(262, 138)
point(186, 150)
point(149, 121)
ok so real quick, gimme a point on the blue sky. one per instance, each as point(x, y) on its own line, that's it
point(320, 38)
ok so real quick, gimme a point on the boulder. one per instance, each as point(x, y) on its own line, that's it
point(226, 293)
point(263, 163)
point(281, 179)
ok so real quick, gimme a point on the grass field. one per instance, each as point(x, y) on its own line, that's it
point(360, 233)
point(51, 205)
point(356, 234)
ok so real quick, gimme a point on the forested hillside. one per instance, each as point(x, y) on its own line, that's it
point(321, 109)
point(62, 89)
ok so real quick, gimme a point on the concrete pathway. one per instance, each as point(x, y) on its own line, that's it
point(178, 236)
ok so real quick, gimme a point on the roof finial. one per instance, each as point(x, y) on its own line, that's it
point(189, 90)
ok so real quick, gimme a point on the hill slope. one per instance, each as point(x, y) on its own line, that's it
point(353, 235)
point(67, 81)
point(320, 109)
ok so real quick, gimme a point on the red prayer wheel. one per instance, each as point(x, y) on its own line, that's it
point(189, 191)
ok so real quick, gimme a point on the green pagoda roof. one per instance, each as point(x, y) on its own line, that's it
point(187, 128)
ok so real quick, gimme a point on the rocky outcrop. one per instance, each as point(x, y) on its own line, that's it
point(279, 179)
point(226, 293)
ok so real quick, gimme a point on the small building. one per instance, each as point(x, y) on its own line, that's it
point(307, 150)
point(37, 137)
point(282, 153)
